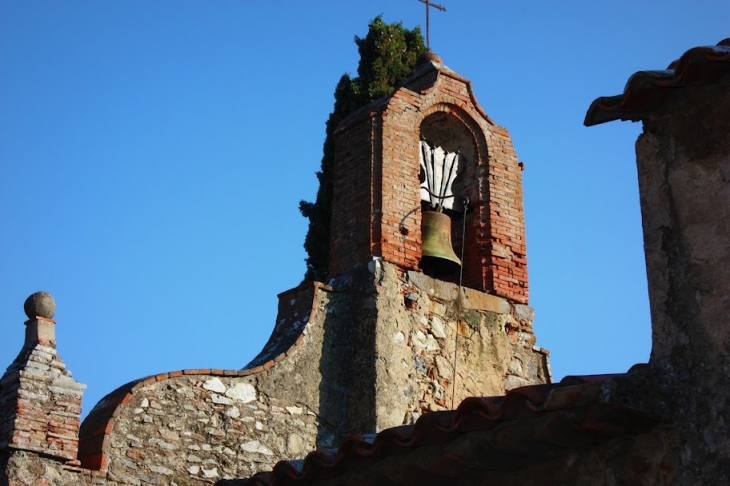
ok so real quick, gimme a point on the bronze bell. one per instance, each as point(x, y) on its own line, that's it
point(438, 255)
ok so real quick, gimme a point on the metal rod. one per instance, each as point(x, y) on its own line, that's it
point(446, 179)
point(428, 30)
point(451, 172)
point(424, 154)
point(433, 170)
point(439, 189)
point(458, 299)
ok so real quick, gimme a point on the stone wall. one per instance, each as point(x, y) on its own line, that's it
point(683, 161)
point(376, 349)
point(436, 346)
point(373, 351)
point(196, 426)
point(194, 429)
point(23, 468)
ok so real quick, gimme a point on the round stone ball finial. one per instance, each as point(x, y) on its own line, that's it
point(40, 304)
point(428, 56)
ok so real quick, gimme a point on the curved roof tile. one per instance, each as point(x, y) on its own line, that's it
point(646, 91)
point(527, 426)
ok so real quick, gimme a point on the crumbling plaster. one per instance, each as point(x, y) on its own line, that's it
point(683, 161)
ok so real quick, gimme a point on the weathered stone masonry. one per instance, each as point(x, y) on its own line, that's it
point(315, 381)
point(683, 162)
point(324, 374)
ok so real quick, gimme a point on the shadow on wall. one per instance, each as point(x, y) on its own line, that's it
point(4, 459)
point(347, 363)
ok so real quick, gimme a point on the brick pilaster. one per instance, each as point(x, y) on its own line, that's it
point(40, 403)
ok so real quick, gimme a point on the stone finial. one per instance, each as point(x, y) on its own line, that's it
point(40, 402)
point(428, 56)
point(40, 304)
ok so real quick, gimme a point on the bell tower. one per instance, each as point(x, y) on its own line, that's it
point(430, 147)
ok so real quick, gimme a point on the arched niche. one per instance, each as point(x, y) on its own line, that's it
point(443, 131)
point(452, 131)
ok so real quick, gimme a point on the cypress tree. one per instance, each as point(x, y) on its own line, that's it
point(388, 56)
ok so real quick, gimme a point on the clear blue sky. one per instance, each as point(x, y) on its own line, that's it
point(153, 153)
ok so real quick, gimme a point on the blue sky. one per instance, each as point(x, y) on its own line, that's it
point(153, 153)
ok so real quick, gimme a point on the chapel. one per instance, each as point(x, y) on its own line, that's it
point(426, 304)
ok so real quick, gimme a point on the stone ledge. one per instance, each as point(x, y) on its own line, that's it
point(471, 300)
point(475, 300)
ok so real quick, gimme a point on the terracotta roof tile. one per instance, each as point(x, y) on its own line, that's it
point(528, 426)
point(646, 91)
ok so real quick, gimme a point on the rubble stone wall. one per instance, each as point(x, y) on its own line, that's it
point(436, 346)
point(24, 468)
point(377, 351)
point(197, 426)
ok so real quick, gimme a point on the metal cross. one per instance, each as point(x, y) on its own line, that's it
point(436, 6)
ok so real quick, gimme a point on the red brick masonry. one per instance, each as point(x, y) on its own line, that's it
point(377, 206)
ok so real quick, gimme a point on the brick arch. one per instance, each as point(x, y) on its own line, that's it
point(467, 120)
point(495, 254)
point(479, 191)
point(457, 125)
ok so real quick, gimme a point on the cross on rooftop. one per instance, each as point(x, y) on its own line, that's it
point(428, 5)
